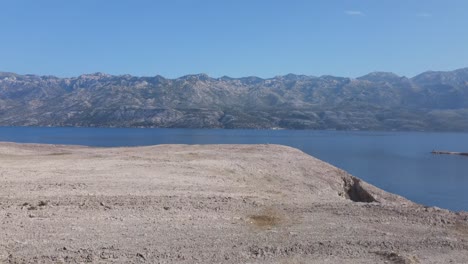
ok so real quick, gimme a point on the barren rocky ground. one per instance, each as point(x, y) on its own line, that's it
point(208, 204)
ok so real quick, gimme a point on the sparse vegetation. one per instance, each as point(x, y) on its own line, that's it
point(435, 101)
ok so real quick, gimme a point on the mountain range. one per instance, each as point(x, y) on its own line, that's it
point(431, 101)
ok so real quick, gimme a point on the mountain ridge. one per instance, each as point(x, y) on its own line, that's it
point(432, 100)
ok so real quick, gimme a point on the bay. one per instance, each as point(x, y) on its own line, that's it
point(398, 162)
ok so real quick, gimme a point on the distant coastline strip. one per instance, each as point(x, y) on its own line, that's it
point(449, 153)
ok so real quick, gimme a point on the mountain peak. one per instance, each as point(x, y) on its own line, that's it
point(96, 75)
point(292, 77)
point(379, 76)
point(454, 78)
point(198, 76)
point(251, 80)
point(7, 74)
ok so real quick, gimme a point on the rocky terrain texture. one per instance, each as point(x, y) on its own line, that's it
point(208, 204)
point(436, 101)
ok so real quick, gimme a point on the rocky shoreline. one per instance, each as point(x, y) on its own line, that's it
point(208, 204)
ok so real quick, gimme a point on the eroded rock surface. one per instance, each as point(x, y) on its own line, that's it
point(208, 204)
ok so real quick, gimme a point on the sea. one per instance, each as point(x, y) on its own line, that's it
point(398, 162)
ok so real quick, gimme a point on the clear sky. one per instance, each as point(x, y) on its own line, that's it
point(232, 37)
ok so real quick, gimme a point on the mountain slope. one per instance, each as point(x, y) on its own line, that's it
point(377, 101)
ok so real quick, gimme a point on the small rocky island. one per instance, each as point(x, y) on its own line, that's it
point(208, 204)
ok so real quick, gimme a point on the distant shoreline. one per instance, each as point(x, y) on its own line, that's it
point(438, 152)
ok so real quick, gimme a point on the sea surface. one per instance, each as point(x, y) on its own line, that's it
point(398, 162)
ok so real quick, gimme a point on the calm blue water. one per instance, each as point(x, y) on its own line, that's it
point(398, 162)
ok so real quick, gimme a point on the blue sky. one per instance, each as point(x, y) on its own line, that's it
point(235, 38)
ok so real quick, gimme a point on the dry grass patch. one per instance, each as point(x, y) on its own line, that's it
point(461, 228)
point(59, 154)
point(266, 219)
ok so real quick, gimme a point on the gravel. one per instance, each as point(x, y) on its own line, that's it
point(208, 204)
